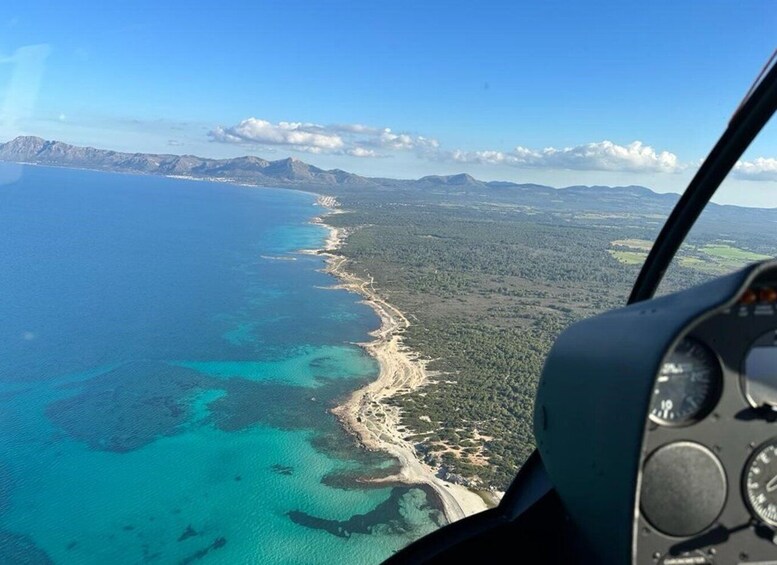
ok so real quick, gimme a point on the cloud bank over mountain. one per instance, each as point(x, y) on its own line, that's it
point(761, 168)
point(600, 156)
point(356, 140)
point(363, 141)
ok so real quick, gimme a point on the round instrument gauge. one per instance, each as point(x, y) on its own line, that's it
point(760, 371)
point(688, 385)
point(760, 483)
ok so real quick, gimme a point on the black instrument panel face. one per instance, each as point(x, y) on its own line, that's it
point(709, 467)
point(688, 385)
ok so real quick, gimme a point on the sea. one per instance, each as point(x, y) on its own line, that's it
point(168, 362)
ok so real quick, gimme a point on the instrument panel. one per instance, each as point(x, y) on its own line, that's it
point(688, 385)
point(708, 491)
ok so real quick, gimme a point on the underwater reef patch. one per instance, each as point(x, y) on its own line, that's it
point(128, 407)
point(387, 516)
point(19, 549)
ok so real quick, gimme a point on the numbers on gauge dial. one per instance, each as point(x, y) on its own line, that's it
point(761, 483)
point(687, 385)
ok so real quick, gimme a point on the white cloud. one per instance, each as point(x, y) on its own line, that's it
point(357, 140)
point(601, 156)
point(404, 141)
point(296, 135)
point(364, 141)
point(361, 152)
point(762, 168)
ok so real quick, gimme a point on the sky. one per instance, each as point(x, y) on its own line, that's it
point(558, 93)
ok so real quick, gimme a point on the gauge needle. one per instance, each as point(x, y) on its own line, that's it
point(771, 485)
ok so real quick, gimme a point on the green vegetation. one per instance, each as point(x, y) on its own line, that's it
point(629, 257)
point(716, 258)
point(488, 285)
point(641, 244)
point(692, 262)
point(730, 253)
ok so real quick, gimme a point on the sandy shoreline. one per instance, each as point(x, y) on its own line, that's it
point(365, 413)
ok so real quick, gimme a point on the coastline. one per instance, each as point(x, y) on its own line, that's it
point(365, 413)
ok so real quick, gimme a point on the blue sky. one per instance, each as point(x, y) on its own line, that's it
point(553, 92)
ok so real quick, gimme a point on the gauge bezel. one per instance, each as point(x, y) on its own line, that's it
point(712, 399)
point(743, 378)
point(686, 444)
point(745, 471)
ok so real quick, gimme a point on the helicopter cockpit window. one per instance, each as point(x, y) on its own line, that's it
point(734, 229)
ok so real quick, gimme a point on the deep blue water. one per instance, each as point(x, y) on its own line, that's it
point(167, 364)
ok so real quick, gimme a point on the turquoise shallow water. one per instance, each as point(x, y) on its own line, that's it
point(166, 380)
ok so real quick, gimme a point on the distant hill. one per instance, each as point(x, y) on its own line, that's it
point(461, 189)
point(253, 170)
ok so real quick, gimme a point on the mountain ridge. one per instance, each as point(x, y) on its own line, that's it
point(288, 172)
point(36, 150)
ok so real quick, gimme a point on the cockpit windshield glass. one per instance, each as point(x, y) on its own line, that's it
point(278, 279)
point(738, 225)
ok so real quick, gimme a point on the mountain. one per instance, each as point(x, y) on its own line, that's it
point(457, 198)
point(461, 180)
point(292, 172)
point(253, 170)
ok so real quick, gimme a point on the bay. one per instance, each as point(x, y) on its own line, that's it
point(167, 368)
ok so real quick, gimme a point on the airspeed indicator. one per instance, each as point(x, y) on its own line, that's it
point(687, 386)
